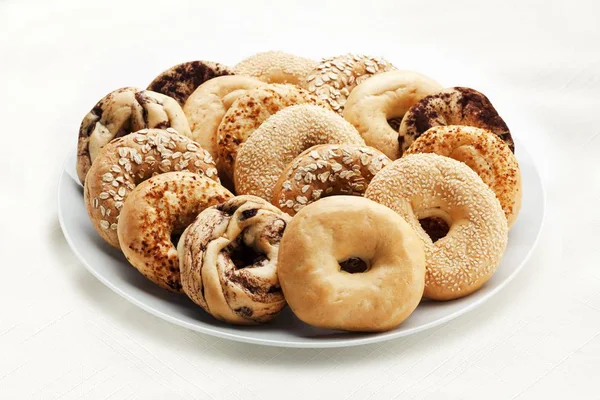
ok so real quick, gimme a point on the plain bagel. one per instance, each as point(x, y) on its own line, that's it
point(348, 263)
point(385, 96)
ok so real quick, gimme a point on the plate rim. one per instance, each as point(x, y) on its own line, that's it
point(334, 343)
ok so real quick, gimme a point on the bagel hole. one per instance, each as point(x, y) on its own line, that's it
point(435, 227)
point(175, 238)
point(394, 123)
point(354, 265)
point(243, 256)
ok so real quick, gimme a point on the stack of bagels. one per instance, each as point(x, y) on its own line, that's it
point(345, 188)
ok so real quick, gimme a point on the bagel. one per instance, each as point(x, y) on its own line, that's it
point(453, 106)
point(228, 260)
point(157, 211)
point(249, 111)
point(326, 170)
point(180, 81)
point(385, 96)
point(349, 263)
point(126, 162)
point(423, 186)
point(121, 112)
point(207, 105)
point(276, 67)
point(485, 153)
point(280, 139)
point(334, 78)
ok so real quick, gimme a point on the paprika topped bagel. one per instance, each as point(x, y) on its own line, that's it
point(485, 153)
point(424, 186)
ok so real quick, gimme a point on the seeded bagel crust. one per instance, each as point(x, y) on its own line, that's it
point(280, 139)
point(276, 67)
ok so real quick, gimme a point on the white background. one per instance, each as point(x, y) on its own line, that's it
point(63, 335)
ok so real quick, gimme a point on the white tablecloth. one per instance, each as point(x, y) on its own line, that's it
point(63, 335)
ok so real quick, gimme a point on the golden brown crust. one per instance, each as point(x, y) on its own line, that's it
point(121, 112)
point(276, 67)
point(383, 97)
point(330, 231)
point(421, 186)
point(130, 160)
point(158, 210)
point(180, 81)
point(452, 106)
point(249, 111)
point(228, 260)
point(207, 105)
point(334, 78)
point(326, 170)
point(485, 153)
point(281, 138)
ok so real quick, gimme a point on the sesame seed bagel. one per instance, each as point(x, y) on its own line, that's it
point(386, 96)
point(228, 260)
point(157, 210)
point(485, 153)
point(126, 162)
point(349, 263)
point(121, 112)
point(249, 111)
point(276, 67)
point(180, 81)
point(207, 105)
point(334, 78)
point(423, 186)
point(280, 139)
point(453, 106)
point(326, 170)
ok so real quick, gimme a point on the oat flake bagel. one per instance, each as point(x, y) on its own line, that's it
point(349, 263)
point(334, 78)
point(422, 186)
point(228, 260)
point(385, 96)
point(158, 210)
point(182, 79)
point(326, 170)
point(121, 112)
point(249, 111)
point(280, 139)
point(207, 105)
point(485, 153)
point(453, 106)
point(130, 160)
point(276, 67)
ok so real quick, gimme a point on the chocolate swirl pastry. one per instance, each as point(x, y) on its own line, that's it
point(182, 79)
point(453, 106)
point(121, 112)
point(228, 260)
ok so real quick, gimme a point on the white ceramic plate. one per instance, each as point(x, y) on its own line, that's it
point(111, 268)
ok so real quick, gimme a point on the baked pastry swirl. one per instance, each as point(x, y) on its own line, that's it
point(228, 260)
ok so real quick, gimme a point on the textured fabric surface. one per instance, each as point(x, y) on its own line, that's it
point(64, 335)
